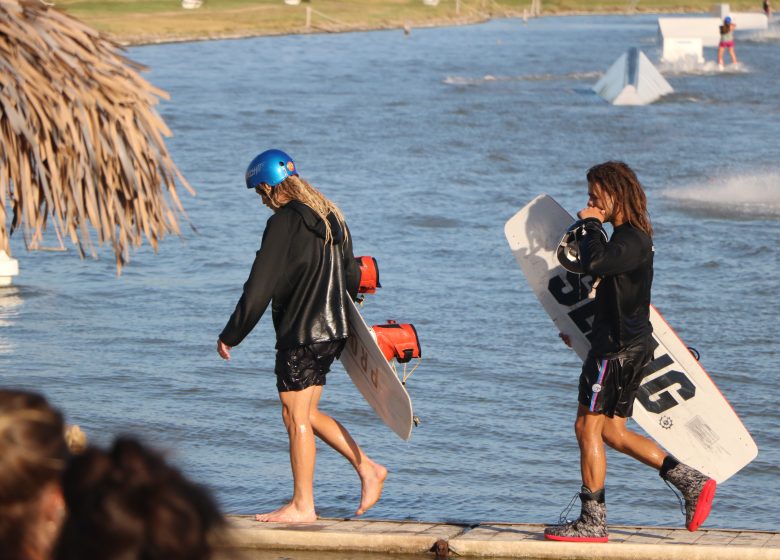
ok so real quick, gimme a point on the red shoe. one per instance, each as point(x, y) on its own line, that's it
point(590, 526)
point(697, 489)
point(703, 505)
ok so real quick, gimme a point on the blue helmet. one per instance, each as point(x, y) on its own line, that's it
point(727, 20)
point(271, 167)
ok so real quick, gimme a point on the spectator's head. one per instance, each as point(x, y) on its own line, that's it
point(33, 453)
point(128, 503)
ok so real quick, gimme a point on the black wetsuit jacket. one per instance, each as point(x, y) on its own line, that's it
point(306, 279)
point(625, 265)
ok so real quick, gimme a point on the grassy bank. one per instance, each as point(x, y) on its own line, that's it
point(142, 21)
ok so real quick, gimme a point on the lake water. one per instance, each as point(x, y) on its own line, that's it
point(429, 143)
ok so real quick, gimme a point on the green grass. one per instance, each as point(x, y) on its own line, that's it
point(139, 21)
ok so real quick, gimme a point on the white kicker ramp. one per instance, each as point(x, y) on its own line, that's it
point(632, 80)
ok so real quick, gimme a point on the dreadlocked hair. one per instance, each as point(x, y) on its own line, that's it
point(295, 188)
point(619, 181)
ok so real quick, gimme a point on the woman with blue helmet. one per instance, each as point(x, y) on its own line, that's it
point(727, 41)
point(305, 270)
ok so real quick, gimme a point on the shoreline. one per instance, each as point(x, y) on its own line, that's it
point(473, 19)
point(162, 40)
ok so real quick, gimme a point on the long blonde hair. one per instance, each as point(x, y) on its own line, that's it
point(295, 188)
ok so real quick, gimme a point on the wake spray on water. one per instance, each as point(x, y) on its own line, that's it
point(743, 196)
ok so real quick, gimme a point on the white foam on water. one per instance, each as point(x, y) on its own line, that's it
point(489, 78)
point(466, 81)
point(770, 35)
point(592, 75)
point(743, 196)
point(691, 66)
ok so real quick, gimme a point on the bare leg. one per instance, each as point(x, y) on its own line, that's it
point(593, 460)
point(372, 475)
point(641, 448)
point(296, 406)
point(720, 56)
point(733, 55)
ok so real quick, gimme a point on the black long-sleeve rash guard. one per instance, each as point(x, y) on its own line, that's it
point(306, 279)
point(625, 265)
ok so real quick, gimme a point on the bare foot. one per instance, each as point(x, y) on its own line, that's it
point(287, 514)
point(371, 480)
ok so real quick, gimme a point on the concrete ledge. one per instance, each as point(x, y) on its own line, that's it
point(402, 537)
point(626, 543)
point(516, 540)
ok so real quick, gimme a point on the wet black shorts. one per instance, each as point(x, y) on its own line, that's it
point(301, 367)
point(609, 385)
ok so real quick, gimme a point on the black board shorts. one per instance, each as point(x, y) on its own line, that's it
point(608, 384)
point(301, 367)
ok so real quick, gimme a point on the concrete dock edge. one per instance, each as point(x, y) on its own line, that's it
point(542, 550)
point(499, 540)
point(520, 540)
point(394, 537)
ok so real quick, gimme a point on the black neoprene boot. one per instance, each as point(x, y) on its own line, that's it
point(697, 490)
point(591, 526)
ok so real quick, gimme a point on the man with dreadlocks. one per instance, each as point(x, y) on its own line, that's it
point(306, 269)
point(621, 346)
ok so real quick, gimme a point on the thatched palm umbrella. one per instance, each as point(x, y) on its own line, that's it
point(81, 140)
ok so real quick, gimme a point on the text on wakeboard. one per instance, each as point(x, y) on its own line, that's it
point(658, 393)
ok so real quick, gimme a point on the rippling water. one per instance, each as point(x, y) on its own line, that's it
point(428, 142)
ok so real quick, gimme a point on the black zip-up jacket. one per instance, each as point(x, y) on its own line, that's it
point(306, 279)
point(625, 265)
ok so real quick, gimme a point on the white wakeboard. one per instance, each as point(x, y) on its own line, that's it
point(678, 404)
point(374, 377)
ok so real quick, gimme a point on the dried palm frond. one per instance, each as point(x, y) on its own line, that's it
point(81, 139)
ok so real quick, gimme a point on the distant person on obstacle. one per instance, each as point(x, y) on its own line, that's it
point(304, 269)
point(767, 7)
point(621, 347)
point(727, 41)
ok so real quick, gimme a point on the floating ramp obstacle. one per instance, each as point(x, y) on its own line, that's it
point(9, 267)
point(746, 21)
point(632, 80)
point(675, 49)
point(705, 28)
point(684, 38)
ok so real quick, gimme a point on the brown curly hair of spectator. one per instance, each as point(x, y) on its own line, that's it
point(33, 453)
point(128, 503)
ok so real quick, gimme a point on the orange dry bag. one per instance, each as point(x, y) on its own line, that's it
point(398, 341)
point(369, 275)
